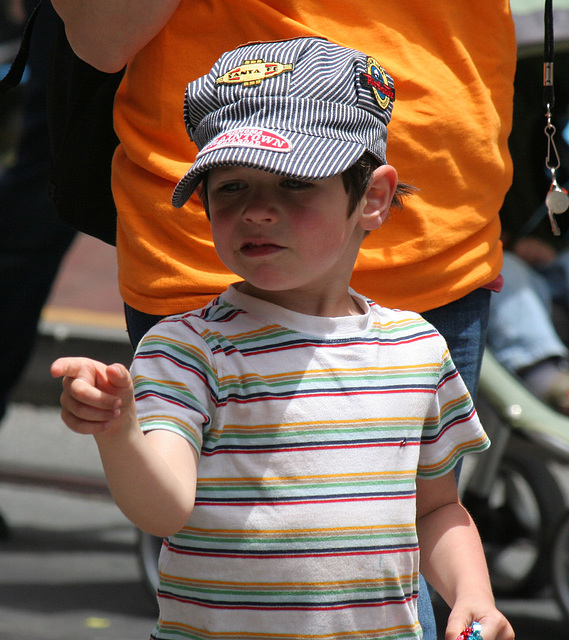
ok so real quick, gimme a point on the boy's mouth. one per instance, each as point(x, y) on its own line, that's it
point(259, 248)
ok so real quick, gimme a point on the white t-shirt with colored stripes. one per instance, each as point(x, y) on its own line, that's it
point(311, 432)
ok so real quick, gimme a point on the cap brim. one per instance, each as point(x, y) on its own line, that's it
point(310, 158)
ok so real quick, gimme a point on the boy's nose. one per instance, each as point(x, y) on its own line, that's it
point(259, 210)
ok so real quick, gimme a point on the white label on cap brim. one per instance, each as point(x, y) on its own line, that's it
point(251, 138)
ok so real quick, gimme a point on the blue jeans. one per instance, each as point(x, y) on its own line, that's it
point(138, 324)
point(462, 323)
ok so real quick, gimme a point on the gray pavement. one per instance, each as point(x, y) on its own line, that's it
point(69, 569)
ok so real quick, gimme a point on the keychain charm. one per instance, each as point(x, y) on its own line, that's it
point(556, 201)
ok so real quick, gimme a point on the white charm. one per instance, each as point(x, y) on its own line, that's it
point(557, 200)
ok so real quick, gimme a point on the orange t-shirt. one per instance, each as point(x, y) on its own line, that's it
point(453, 66)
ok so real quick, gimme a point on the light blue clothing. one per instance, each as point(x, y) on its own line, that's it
point(520, 330)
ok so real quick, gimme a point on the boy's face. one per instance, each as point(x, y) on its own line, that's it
point(288, 239)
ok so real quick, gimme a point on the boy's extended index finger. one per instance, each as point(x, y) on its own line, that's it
point(72, 367)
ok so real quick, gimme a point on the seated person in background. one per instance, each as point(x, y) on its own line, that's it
point(521, 331)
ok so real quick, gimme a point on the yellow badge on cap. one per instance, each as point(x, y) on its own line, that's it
point(376, 78)
point(253, 72)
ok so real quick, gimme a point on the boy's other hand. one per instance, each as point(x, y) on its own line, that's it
point(96, 397)
point(494, 624)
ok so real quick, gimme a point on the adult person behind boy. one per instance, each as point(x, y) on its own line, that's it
point(300, 519)
point(454, 66)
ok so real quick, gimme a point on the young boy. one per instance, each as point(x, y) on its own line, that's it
point(292, 441)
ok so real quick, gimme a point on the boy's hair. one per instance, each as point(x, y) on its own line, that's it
point(356, 181)
point(306, 108)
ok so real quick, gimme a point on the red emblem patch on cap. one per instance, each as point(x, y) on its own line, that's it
point(251, 138)
point(376, 78)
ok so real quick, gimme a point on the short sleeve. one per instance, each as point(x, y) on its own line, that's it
point(175, 381)
point(452, 427)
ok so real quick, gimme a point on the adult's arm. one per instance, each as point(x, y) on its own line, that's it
point(107, 33)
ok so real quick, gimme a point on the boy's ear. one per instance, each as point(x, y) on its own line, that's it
point(378, 197)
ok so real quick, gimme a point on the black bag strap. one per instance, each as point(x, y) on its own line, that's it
point(548, 56)
point(83, 141)
point(14, 76)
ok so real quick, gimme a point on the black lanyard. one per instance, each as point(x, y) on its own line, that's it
point(557, 199)
point(548, 56)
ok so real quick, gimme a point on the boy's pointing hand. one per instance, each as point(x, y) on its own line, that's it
point(96, 397)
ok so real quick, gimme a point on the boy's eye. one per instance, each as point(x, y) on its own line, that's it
point(230, 187)
point(294, 185)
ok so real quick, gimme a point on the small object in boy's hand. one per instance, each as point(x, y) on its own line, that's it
point(474, 632)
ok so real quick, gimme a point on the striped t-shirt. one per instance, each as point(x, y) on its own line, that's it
point(311, 432)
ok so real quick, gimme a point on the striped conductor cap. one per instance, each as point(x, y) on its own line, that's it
point(306, 108)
